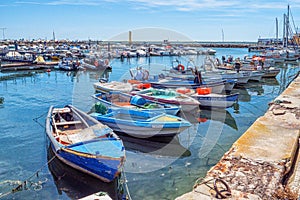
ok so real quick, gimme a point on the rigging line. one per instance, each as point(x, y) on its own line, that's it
point(293, 21)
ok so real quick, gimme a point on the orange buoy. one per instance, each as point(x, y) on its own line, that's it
point(199, 119)
point(204, 90)
point(143, 85)
point(183, 90)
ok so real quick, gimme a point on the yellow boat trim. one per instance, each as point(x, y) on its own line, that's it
point(166, 119)
point(89, 155)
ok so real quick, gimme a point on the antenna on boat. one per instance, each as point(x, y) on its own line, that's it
point(53, 36)
point(3, 29)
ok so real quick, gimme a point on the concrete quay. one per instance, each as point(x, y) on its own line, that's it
point(264, 163)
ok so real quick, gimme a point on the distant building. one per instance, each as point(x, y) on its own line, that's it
point(269, 41)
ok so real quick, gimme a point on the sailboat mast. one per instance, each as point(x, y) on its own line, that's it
point(53, 36)
point(283, 34)
point(287, 26)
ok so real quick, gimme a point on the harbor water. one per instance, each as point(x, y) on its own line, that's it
point(160, 168)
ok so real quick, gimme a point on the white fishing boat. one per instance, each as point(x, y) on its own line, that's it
point(168, 96)
point(216, 100)
point(112, 86)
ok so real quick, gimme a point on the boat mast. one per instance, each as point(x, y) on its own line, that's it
point(53, 36)
point(276, 32)
point(287, 26)
point(283, 34)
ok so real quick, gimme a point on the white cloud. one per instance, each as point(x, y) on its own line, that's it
point(176, 5)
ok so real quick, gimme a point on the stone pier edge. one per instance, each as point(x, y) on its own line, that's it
point(264, 163)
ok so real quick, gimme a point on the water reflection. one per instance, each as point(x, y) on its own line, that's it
point(191, 116)
point(270, 81)
point(220, 115)
point(256, 88)
point(6, 76)
point(163, 146)
point(76, 184)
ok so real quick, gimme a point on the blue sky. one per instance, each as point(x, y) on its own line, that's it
point(200, 20)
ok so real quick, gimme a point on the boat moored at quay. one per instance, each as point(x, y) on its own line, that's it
point(207, 138)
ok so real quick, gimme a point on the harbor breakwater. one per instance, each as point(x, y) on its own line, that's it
point(264, 163)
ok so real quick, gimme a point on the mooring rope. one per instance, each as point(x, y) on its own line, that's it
point(23, 184)
point(37, 118)
point(125, 183)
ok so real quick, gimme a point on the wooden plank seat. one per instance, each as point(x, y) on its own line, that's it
point(67, 123)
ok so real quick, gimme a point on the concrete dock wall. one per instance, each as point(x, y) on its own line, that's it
point(264, 163)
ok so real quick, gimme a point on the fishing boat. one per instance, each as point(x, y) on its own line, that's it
point(78, 185)
point(217, 86)
point(209, 99)
point(256, 75)
point(94, 63)
point(84, 143)
point(213, 100)
point(69, 64)
point(271, 72)
point(191, 79)
point(142, 124)
point(105, 87)
point(187, 103)
point(123, 100)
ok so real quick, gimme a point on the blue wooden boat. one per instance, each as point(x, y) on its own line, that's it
point(142, 124)
point(122, 100)
point(78, 185)
point(84, 143)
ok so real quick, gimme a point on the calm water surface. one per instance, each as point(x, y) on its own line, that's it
point(156, 169)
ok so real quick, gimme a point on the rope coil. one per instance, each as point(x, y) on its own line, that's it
point(220, 187)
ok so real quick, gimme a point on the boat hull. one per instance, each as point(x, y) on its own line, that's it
point(108, 102)
point(217, 87)
point(187, 103)
point(185, 106)
point(112, 86)
point(105, 170)
point(91, 148)
point(145, 132)
point(142, 124)
point(271, 73)
point(216, 101)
